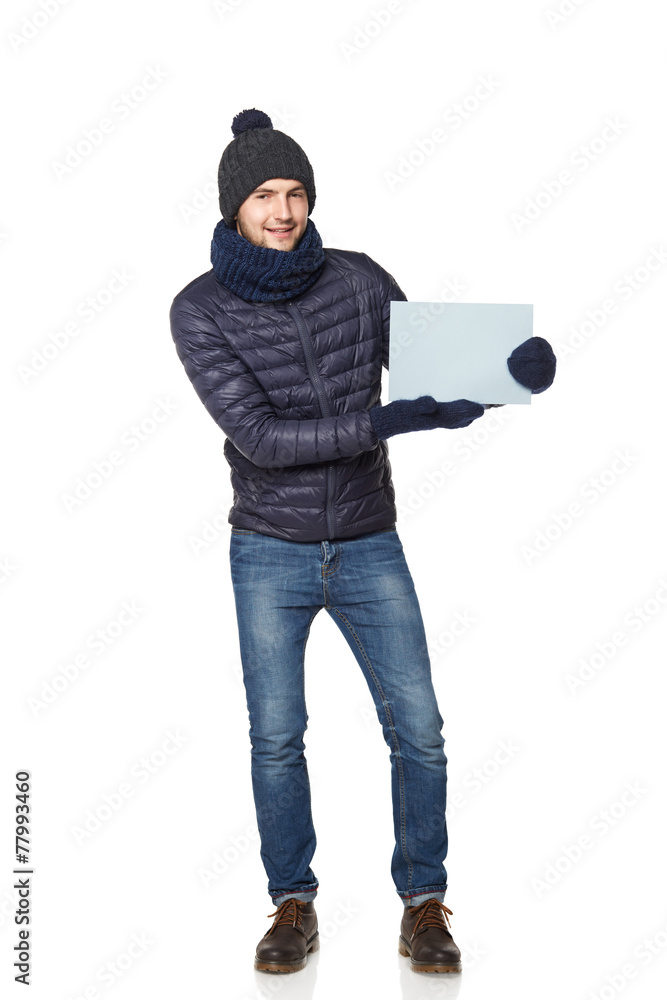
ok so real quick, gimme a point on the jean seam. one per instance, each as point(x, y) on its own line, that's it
point(399, 761)
point(303, 678)
point(331, 568)
point(327, 572)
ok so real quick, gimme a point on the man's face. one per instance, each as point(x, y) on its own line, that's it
point(275, 214)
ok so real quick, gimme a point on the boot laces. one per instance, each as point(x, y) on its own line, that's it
point(433, 914)
point(287, 913)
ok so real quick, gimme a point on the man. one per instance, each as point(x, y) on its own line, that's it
point(284, 342)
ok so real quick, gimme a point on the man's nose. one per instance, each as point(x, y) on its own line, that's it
point(281, 209)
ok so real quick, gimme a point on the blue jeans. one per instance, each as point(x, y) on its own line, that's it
point(365, 585)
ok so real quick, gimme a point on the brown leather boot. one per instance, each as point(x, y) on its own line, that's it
point(289, 939)
point(425, 938)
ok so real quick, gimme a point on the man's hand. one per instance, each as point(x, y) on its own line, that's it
point(422, 414)
point(533, 364)
point(458, 413)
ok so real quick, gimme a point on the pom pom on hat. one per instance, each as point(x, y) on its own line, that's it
point(249, 119)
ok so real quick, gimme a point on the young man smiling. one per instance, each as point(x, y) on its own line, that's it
point(274, 215)
point(285, 343)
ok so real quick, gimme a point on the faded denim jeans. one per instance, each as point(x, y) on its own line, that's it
point(365, 585)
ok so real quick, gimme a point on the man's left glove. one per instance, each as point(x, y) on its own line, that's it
point(533, 364)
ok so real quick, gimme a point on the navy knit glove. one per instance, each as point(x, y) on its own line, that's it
point(533, 364)
point(422, 414)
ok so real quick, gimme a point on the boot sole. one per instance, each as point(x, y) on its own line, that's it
point(405, 951)
point(282, 967)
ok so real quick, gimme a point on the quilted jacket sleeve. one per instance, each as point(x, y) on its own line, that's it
point(389, 290)
point(236, 400)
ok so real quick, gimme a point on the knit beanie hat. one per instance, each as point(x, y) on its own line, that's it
point(257, 153)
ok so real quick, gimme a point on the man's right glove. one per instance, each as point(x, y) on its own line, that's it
point(422, 414)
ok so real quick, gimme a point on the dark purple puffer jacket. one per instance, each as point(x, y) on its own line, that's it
point(290, 384)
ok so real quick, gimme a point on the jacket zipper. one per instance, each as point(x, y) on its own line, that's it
point(324, 403)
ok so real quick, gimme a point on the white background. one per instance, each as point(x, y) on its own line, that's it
point(489, 541)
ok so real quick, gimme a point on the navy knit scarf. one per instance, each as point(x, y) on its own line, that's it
point(263, 274)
